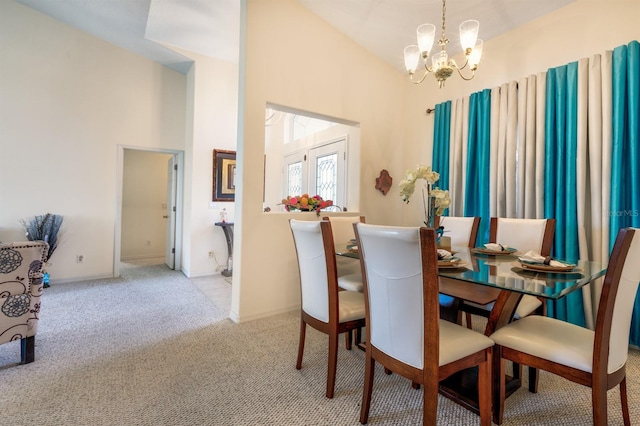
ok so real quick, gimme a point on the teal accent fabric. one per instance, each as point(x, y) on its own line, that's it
point(477, 199)
point(625, 158)
point(440, 159)
point(560, 200)
point(441, 133)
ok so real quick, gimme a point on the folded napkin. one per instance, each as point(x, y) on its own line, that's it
point(496, 247)
point(447, 256)
point(536, 258)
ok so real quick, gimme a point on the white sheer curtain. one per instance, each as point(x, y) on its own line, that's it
point(594, 167)
point(504, 109)
point(530, 168)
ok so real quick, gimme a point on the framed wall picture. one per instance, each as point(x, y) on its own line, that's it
point(224, 175)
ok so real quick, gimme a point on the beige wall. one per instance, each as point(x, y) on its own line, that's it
point(319, 70)
point(296, 60)
point(212, 123)
point(68, 101)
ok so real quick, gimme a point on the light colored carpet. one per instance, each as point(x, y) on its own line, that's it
point(151, 349)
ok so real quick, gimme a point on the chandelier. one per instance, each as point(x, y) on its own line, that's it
point(441, 66)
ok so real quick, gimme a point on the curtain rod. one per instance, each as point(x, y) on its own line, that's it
point(430, 110)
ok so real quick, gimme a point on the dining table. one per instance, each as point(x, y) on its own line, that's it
point(502, 279)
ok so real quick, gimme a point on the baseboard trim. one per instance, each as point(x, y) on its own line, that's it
point(233, 316)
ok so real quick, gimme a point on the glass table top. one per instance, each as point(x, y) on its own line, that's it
point(505, 272)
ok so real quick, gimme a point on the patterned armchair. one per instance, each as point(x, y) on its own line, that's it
point(21, 265)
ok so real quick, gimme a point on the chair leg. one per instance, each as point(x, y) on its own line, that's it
point(625, 402)
point(599, 401)
point(517, 370)
point(533, 379)
point(348, 337)
point(27, 349)
point(303, 331)
point(429, 399)
point(468, 320)
point(484, 390)
point(498, 386)
point(333, 362)
point(369, 369)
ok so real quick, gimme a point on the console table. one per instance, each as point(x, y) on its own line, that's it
point(227, 227)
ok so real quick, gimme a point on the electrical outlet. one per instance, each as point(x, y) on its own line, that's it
point(80, 258)
point(210, 254)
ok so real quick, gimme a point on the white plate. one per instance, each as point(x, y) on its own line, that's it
point(481, 250)
point(449, 265)
point(547, 268)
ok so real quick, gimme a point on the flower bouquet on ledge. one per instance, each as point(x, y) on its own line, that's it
point(435, 200)
point(304, 203)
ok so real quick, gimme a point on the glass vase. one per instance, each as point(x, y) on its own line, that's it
point(429, 202)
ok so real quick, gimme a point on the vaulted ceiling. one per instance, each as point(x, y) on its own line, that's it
point(211, 27)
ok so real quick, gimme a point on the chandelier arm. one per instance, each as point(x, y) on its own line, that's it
point(426, 73)
point(473, 73)
point(427, 70)
point(453, 64)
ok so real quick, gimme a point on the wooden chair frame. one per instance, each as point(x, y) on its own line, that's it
point(349, 336)
point(333, 328)
point(545, 250)
point(432, 374)
point(600, 381)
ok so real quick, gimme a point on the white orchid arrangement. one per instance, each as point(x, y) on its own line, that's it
point(408, 186)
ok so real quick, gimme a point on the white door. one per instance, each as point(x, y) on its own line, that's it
point(295, 174)
point(170, 213)
point(327, 171)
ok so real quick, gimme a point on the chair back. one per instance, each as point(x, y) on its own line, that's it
point(463, 231)
point(397, 293)
point(21, 265)
point(316, 263)
point(615, 308)
point(523, 234)
point(342, 227)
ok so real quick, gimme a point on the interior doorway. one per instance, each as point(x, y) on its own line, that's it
point(149, 208)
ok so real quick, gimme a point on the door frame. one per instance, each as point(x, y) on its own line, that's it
point(117, 246)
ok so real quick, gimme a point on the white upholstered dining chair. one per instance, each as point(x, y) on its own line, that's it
point(404, 331)
point(349, 273)
point(524, 235)
point(463, 231)
point(595, 359)
point(324, 306)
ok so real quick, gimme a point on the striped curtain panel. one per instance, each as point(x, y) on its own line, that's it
point(441, 138)
point(476, 202)
point(624, 209)
point(560, 187)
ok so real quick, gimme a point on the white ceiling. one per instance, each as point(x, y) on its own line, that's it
point(211, 27)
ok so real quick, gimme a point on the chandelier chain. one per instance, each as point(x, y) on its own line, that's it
point(443, 40)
